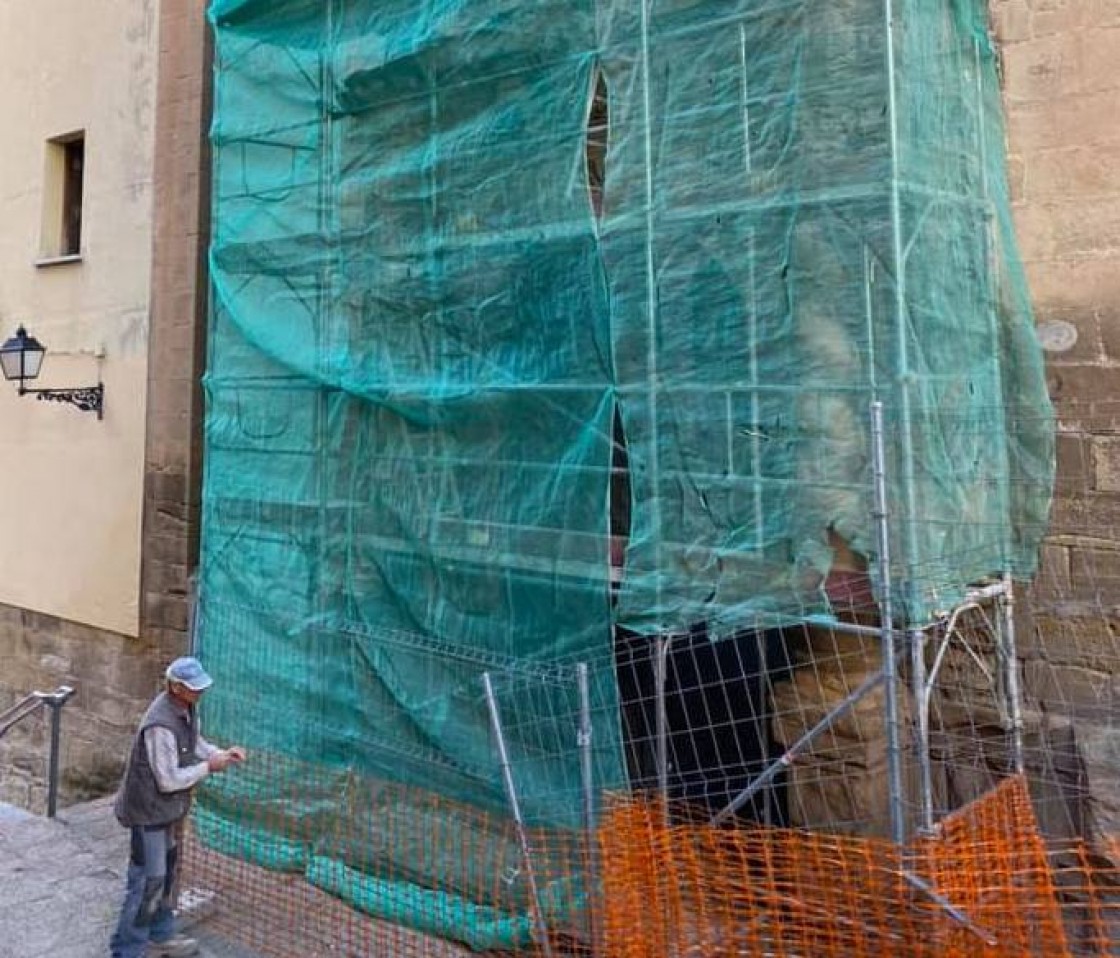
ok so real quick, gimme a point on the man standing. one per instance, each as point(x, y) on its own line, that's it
point(168, 759)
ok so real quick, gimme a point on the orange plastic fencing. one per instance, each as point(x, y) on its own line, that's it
point(1088, 881)
point(990, 861)
point(985, 886)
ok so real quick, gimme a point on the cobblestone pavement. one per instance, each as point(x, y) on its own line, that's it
point(61, 884)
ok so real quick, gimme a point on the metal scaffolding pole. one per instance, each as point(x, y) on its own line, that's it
point(661, 646)
point(518, 820)
point(924, 679)
point(881, 518)
point(1009, 661)
point(587, 781)
point(920, 686)
point(787, 758)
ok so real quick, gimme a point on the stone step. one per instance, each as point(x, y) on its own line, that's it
point(71, 866)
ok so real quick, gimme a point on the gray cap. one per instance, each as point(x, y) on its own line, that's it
point(189, 672)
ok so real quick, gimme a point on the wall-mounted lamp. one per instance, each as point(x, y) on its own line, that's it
point(21, 358)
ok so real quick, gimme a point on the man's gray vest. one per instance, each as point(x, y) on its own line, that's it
point(139, 802)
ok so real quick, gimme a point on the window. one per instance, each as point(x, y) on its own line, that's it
point(74, 153)
point(62, 198)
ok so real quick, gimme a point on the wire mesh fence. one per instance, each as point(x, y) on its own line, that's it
point(684, 792)
point(627, 454)
point(670, 883)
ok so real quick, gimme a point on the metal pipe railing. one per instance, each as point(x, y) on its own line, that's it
point(25, 708)
point(18, 712)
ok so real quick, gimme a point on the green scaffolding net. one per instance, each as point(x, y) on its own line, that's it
point(538, 322)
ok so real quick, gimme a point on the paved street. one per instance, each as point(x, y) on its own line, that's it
point(61, 883)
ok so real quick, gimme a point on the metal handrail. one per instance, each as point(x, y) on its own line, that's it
point(18, 712)
point(25, 708)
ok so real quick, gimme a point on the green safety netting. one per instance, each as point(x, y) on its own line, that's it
point(465, 250)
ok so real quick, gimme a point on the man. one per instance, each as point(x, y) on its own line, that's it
point(168, 759)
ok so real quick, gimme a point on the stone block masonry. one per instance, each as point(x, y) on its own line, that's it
point(1062, 97)
point(114, 676)
point(173, 459)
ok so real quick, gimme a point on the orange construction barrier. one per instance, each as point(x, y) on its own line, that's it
point(986, 885)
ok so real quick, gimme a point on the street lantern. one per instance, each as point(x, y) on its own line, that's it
point(21, 358)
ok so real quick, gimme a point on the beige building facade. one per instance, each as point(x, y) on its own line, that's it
point(71, 495)
point(101, 231)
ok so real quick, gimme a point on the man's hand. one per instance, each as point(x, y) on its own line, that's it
point(219, 761)
point(223, 759)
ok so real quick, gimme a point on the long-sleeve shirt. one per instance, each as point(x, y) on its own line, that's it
point(163, 757)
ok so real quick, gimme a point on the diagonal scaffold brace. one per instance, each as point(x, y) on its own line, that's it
point(539, 921)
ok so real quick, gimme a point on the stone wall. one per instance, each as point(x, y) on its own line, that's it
point(116, 675)
point(1062, 97)
point(173, 461)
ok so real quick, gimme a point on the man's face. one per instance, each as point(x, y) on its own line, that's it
point(180, 691)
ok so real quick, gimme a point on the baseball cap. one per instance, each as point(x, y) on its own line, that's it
point(189, 671)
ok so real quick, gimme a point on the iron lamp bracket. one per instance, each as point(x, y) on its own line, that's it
point(86, 398)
